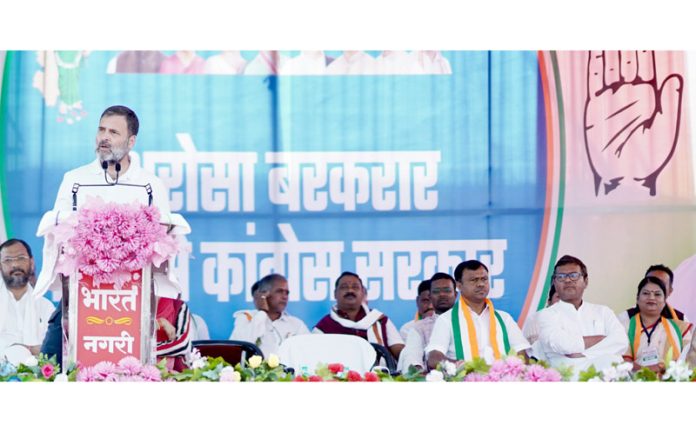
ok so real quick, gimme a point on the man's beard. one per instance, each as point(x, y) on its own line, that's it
point(16, 281)
point(115, 155)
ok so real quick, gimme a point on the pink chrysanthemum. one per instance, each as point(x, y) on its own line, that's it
point(151, 373)
point(476, 377)
point(86, 374)
point(108, 241)
point(104, 369)
point(540, 374)
point(129, 366)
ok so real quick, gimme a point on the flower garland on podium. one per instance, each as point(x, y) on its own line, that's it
point(110, 240)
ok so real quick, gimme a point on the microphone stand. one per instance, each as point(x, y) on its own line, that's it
point(117, 166)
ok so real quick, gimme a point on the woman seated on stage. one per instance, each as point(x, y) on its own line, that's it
point(651, 335)
point(173, 325)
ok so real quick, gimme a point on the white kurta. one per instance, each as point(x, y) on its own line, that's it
point(94, 174)
point(22, 321)
point(255, 326)
point(442, 338)
point(416, 341)
point(406, 329)
point(561, 332)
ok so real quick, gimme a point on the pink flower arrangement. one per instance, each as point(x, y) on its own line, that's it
point(128, 369)
point(537, 373)
point(514, 369)
point(108, 241)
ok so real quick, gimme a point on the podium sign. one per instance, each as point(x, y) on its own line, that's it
point(108, 324)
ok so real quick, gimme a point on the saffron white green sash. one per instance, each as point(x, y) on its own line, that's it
point(674, 335)
point(466, 330)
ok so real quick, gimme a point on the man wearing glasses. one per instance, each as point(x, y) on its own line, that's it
point(442, 296)
point(574, 332)
point(23, 318)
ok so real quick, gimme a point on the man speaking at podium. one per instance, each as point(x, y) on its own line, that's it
point(114, 177)
point(107, 177)
point(118, 129)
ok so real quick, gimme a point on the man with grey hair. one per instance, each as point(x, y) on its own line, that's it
point(269, 325)
point(23, 318)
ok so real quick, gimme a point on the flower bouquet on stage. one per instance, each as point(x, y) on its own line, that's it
point(108, 253)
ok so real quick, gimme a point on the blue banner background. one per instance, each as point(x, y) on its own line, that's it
point(486, 120)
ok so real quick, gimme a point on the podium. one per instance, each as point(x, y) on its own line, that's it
point(108, 324)
point(108, 321)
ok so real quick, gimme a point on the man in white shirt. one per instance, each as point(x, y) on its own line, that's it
point(23, 318)
point(465, 333)
point(269, 325)
point(443, 294)
point(574, 332)
point(115, 138)
point(424, 308)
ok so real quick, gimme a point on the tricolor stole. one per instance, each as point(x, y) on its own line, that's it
point(498, 335)
point(674, 335)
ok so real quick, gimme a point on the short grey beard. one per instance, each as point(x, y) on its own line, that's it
point(16, 281)
point(113, 158)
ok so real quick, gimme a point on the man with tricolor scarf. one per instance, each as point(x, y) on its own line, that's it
point(473, 328)
point(352, 316)
point(652, 335)
point(574, 332)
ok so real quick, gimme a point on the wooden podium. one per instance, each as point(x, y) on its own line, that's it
point(108, 324)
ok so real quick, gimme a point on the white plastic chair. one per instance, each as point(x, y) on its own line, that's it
point(304, 352)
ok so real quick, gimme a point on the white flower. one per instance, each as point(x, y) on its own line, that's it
point(625, 368)
point(434, 376)
point(450, 368)
point(620, 372)
point(30, 361)
point(677, 371)
point(255, 361)
point(230, 375)
point(198, 363)
point(610, 374)
point(595, 379)
point(273, 361)
point(61, 378)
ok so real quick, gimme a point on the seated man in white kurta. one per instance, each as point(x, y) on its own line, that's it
point(424, 308)
point(270, 324)
point(577, 333)
point(23, 318)
point(473, 328)
point(443, 294)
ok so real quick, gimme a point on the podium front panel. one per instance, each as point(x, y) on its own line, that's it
point(108, 324)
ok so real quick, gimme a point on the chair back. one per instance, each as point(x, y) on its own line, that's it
point(232, 351)
point(304, 352)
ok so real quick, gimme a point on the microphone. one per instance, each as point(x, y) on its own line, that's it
point(117, 167)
